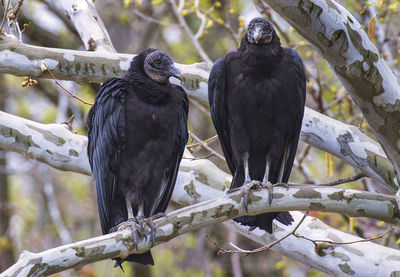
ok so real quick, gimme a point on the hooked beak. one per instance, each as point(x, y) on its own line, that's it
point(257, 35)
point(176, 73)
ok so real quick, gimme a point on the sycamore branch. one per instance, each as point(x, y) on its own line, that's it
point(83, 16)
point(340, 139)
point(58, 147)
point(120, 244)
point(341, 40)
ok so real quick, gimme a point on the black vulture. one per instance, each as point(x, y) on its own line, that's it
point(137, 130)
point(257, 96)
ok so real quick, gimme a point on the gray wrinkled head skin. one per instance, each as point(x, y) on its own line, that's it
point(260, 31)
point(159, 67)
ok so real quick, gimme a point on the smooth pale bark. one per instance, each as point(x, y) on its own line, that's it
point(57, 146)
point(83, 16)
point(229, 206)
point(340, 139)
point(340, 39)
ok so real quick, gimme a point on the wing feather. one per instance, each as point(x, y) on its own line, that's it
point(172, 167)
point(106, 121)
point(301, 84)
point(216, 97)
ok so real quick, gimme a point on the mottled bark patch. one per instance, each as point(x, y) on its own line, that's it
point(49, 136)
point(316, 206)
point(191, 190)
point(346, 269)
point(341, 256)
point(22, 141)
point(307, 193)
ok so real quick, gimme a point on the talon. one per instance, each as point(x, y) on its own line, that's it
point(247, 186)
point(152, 231)
point(270, 192)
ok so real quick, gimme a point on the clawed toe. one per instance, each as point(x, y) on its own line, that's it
point(149, 221)
point(247, 186)
point(270, 192)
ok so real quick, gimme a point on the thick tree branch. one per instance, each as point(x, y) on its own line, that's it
point(87, 22)
point(342, 140)
point(59, 150)
point(341, 40)
point(120, 244)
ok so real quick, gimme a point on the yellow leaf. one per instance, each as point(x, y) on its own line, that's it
point(127, 3)
point(352, 224)
point(371, 29)
point(329, 164)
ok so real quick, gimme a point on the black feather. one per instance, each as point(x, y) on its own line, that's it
point(257, 97)
point(137, 135)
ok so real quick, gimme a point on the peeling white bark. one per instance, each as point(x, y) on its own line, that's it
point(33, 139)
point(87, 22)
point(193, 217)
point(350, 144)
point(339, 38)
point(325, 133)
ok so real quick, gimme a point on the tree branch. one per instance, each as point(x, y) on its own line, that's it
point(87, 22)
point(342, 140)
point(120, 244)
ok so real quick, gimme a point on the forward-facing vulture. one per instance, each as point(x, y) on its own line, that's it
point(257, 96)
point(137, 135)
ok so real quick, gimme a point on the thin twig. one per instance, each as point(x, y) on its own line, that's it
point(330, 184)
point(61, 86)
point(257, 250)
point(198, 158)
point(151, 19)
point(205, 141)
point(199, 106)
point(4, 15)
point(184, 25)
point(316, 242)
point(202, 18)
point(356, 177)
point(16, 9)
point(205, 146)
point(235, 36)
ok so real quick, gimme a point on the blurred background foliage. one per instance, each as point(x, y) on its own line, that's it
point(41, 207)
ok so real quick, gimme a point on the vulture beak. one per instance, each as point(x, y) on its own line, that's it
point(176, 73)
point(257, 35)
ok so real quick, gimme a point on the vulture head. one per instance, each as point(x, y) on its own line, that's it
point(159, 67)
point(260, 31)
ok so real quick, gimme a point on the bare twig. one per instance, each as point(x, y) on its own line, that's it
point(356, 177)
point(202, 18)
point(52, 205)
point(234, 35)
point(15, 11)
point(330, 184)
point(257, 250)
point(198, 158)
point(199, 106)
point(194, 40)
point(5, 15)
point(205, 146)
point(151, 19)
point(317, 242)
point(205, 141)
point(61, 86)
